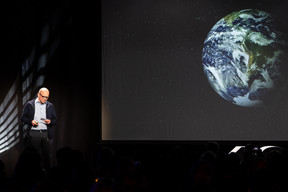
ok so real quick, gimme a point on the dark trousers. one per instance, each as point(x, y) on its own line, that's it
point(39, 140)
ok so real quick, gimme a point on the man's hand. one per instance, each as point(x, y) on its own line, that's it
point(47, 121)
point(34, 123)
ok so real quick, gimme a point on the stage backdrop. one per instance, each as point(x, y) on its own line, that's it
point(50, 44)
point(153, 82)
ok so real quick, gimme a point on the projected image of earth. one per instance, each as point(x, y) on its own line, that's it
point(242, 55)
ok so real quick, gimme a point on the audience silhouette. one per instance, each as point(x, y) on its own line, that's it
point(178, 169)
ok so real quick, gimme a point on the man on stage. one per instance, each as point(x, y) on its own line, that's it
point(39, 114)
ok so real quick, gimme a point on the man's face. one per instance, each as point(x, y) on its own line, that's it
point(43, 96)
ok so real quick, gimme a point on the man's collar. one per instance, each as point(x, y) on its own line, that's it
point(37, 101)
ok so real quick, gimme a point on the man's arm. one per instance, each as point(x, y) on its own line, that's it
point(52, 115)
point(25, 117)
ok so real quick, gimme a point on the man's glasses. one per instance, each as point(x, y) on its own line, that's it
point(45, 97)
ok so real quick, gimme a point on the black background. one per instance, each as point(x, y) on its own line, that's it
point(72, 74)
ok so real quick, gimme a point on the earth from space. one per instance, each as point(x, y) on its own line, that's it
point(242, 56)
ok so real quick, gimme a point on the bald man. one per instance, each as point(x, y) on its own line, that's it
point(39, 114)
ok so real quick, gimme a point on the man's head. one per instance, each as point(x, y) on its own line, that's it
point(43, 95)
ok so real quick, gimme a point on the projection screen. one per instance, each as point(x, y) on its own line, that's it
point(194, 70)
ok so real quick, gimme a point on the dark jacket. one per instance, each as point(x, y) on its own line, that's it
point(28, 115)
